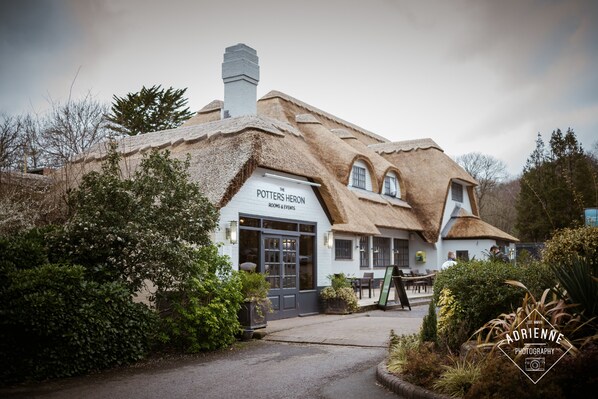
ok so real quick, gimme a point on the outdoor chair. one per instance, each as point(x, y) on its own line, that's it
point(367, 281)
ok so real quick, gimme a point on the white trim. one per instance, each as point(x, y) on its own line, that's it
point(308, 183)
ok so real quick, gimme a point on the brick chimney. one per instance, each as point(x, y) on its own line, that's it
point(240, 73)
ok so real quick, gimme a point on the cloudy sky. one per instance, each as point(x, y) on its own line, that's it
point(473, 75)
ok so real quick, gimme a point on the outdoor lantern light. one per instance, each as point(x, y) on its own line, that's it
point(328, 237)
point(231, 232)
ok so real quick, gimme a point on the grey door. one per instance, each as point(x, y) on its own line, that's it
point(281, 257)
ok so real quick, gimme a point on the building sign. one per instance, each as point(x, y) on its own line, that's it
point(280, 199)
point(591, 217)
point(535, 346)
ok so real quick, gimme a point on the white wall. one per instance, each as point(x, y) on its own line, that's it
point(275, 199)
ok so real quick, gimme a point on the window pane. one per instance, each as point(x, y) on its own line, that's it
point(463, 255)
point(364, 252)
point(358, 177)
point(306, 263)
point(381, 251)
point(278, 225)
point(457, 192)
point(307, 228)
point(401, 253)
point(249, 244)
point(343, 249)
point(249, 222)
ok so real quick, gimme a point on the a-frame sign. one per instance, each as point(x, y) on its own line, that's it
point(393, 275)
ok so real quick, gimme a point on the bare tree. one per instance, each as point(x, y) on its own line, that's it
point(71, 128)
point(10, 141)
point(487, 170)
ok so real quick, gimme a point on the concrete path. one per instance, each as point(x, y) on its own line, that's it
point(370, 329)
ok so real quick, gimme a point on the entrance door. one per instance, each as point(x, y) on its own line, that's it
point(281, 256)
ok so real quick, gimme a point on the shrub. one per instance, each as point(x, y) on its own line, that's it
point(54, 323)
point(340, 289)
point(429, 325)
point(480, 291)
point(423, 365)
point(139, 228)
point(254, 286)
point(500, 378)
point(399, 346)
point(202, 314)
point(567, 245)
point(458, 378)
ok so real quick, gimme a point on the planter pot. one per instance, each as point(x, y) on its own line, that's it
point(336, 306)
point(252, 315)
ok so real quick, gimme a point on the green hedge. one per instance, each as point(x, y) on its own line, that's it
point(479, 287)
point(202, 314)
point(54, 323)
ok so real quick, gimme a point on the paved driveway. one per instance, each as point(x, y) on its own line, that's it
point(320, 357)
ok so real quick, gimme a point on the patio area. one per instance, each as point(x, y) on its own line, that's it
point(415, 298)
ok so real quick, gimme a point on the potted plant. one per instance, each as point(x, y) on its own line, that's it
point(256, 305)
point(339, 297)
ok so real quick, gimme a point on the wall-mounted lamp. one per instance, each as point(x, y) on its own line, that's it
point(231, 232)
point(328, 239)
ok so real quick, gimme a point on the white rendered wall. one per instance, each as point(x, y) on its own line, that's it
point(282, 200)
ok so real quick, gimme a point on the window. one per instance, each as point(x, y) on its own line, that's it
point(463, 255)
point(457, 192)
point(307, 269)
point(390, 186)
point(343, 249)
point(381, 251)
point(401, 253)
point(358, 177)
point(364, 252)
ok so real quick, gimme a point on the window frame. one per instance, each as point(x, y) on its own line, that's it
point(346, 248)
point(359, 173)
point(457, 192)
point(381, 251)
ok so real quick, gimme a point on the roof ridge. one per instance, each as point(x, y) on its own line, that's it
point(311, 108)
point(405, 145)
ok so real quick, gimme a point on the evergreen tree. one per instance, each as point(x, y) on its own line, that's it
point(557, 184)
point(149, 110)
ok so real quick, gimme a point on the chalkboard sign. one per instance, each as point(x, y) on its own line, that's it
point(400, 287)
point(392, 273)
point(385, 287)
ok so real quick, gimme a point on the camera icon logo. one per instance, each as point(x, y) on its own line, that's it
point(534, 364)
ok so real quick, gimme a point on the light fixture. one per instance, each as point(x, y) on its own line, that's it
point(231, 232)
point(328, 239)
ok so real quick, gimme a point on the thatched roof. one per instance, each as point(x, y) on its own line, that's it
point(464, 225)
point(427, 173)
point(225, 152)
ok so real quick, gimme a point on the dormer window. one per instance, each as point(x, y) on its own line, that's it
point(391, 185)
point(456, 192)
point(358, 177)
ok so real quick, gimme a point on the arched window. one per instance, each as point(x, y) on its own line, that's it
point(391, 185)
point(360, 176)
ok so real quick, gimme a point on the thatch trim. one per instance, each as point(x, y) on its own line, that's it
point(406, 145)
point(343, 133)
point(314, 110)
point(192, 134)
point(306, 118)
point(212, 106)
